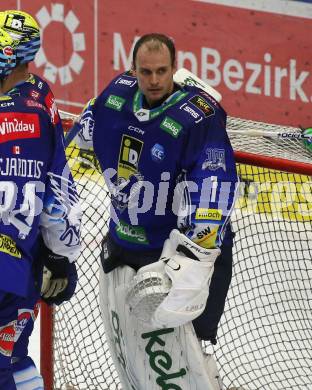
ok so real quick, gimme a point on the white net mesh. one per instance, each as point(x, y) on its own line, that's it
point(264, 339)
point(262, 139)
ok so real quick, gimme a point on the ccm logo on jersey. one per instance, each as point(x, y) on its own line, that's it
point(7, 104)
point(18, 125)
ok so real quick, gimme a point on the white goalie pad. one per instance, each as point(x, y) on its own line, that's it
point(147, 357)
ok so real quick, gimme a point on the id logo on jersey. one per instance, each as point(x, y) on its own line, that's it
point(129, 156)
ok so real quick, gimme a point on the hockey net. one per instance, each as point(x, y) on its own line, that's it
point(265, 335)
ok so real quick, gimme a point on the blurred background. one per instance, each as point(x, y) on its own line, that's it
point(256, 53)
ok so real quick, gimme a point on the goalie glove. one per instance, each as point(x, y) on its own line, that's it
point(147, 290)
point(181, 279)
point(59, 278)
point(189, 268)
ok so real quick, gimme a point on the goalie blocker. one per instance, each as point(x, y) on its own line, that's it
point(184, 272)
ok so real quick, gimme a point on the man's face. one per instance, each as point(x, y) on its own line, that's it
point(154, 72)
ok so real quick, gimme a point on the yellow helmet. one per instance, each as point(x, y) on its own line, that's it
point(24, 30)
point(7, 54)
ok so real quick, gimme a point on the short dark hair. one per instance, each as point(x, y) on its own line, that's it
point(157, 38)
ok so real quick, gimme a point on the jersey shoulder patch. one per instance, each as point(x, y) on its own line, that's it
point(117, 93)
point(201, 103)
point(197, 106)
point(126, 80)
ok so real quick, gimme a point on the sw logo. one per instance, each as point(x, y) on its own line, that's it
point(207, 236)
point(129, 156)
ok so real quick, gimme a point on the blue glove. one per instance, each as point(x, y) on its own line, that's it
point(59, 278)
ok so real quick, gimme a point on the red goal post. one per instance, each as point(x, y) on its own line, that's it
point(265, 333)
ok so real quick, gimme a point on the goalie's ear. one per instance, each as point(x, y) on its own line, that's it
point(174, 67)
point(133, 70)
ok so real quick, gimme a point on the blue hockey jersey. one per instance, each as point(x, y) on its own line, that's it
point(38, 90)
point(37, 193)
point(167, 167)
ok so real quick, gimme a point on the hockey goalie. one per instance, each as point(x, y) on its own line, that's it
point(162, 146)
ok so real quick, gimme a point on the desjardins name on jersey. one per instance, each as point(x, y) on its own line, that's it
point(14, 166)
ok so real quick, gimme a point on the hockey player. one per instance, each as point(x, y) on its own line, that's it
point(169, 166)
point(25, 32)
point(39, 202)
